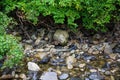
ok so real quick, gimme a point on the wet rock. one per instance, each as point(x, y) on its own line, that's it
point(45, 60)
point(63, 76)
point(88, 57)
point(61, 36)
point(72, 47)
point(107, 48)
point(49, 76)
point(33, 66)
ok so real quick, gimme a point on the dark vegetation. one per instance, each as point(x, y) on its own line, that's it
point(24, 15)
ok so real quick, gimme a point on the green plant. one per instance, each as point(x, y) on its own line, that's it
point(4, 22)
point(10, 49)
point(93, 14)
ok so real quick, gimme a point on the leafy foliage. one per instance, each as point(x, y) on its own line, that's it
point(10, 48)
point(93, 14)
point(4, 22)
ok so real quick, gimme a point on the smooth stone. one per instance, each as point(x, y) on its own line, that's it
point(95, 76)
point(49, 76)
point(33, 66)
point(61, 36)
point(63, 76)
point(45, 60)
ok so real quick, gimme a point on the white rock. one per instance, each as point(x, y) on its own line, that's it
point(49, 76)
point(61, 36)
point(33, 66)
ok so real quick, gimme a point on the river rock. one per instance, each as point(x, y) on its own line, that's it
point(85, 47)
point(23, 76)
point(63, 76)
point(49, 76)
point(69, 61)
point(61, 36)
point(107, 48)
point(33, 66)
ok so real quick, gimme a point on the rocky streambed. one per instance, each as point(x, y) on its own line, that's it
point(58, 56)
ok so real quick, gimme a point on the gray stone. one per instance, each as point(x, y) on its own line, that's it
point(61, 36)
point(49, 76)
point(64, 76)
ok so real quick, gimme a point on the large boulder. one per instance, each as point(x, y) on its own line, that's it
point(61, 36)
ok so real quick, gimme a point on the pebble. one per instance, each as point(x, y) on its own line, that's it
point(95, 52)
point(95, 76)
point(64, 76)
point(113, 56)
point(82, 65)
point(33, 66)
point(107, 73)
point(69, 61)
point(49, 76)
point(23, 76)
